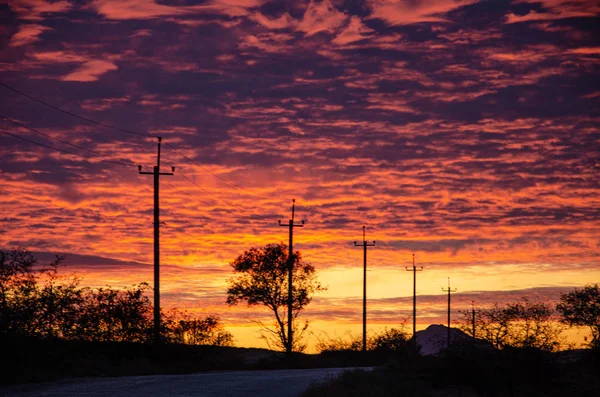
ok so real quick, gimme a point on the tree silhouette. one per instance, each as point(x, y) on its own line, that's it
point(262, 280)
point(115, 315)
point(37, 301)
point(386, 341)
point(517, 324)
point(18, 292)
point(59, 302)
point(582, 307)
point(185, 329)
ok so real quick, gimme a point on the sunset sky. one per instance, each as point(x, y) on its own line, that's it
point(463, 131)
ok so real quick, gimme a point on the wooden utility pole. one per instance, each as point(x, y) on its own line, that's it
point(414, 269)
point(450, 290)
point(291, 225)
point(364, 244)
point(156, 172)
point(473, 318)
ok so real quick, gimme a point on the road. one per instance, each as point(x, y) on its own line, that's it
point(276, 383)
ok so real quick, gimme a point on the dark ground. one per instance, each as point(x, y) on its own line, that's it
point(269, 383)
point(510, 373)
point(36, 360)
point(466, 372)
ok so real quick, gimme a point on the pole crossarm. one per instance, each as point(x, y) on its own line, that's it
point(364, 244)
point(152, 173)
point(414, 269)
point(291, 225)
point(156, 173)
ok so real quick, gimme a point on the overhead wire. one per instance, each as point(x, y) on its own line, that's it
point(187, 194)
point(115, 161)
point(96, 153)
point(218, 198)
point(210, 172)
point(62, 150)
point(75, 114)
point(126, 131)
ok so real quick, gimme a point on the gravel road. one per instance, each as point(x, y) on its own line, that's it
point(276, 383)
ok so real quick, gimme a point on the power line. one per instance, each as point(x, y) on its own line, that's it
point(126, 131)
point(64, 142)
point(218, 198)
point(127, 165)
point(186, 193)
point(205, 190)
point(104, 155)
point(75, 114)
point(99, 154)
point(117, 162)
point(210, 172)
point(62, 150)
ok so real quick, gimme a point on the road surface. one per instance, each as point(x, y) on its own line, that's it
point(275, 383)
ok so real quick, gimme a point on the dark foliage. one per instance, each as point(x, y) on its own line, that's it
point(388, 340)
point(581, 307)
point(36, 301)
point(522, 324)
point(184, 329)
point(507, 372)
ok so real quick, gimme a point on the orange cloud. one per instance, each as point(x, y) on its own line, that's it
point(321, 17)
point(555, 10)
point(90, 71)
point(27, 34)
point(142, 9)
point(355, 31)
point(284, 21)
point(102, 104)
point(400, 12)
point(37, 10)
point(59, 57)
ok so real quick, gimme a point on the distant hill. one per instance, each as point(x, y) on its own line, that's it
point(433, 340)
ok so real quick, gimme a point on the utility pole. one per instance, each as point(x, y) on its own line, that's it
point(450, 290)
point(414, 270)
point(291, 225)
point(364, 244)
point(473, 317)
point(156, 172)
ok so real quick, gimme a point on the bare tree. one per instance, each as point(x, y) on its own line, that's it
point(517, 324)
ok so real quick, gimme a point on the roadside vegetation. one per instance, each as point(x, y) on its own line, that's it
point(518, 352)
point(466, 371)
point(51, 326)
point(518, 324)
point(37, 301)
